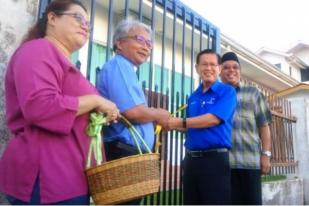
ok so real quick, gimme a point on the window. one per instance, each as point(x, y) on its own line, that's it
point(278, 66)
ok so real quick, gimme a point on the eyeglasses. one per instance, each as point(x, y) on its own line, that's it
point(141, 40)
point(79, 18)
point(226, 67)
point(211, 65)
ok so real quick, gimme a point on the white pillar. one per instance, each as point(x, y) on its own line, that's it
point(300, 109)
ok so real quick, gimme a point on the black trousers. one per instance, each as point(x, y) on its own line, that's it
point(246, 187)
point(207, 179)
point(116, 150)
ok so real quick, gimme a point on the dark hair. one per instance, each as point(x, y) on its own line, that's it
point(56, 6)
point(207, 51)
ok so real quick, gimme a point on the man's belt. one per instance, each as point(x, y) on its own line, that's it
point(202, 153)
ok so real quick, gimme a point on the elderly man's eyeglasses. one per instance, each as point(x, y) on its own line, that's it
point(141, 40)
point(79, 18)
point(228, 67)
point(211, 65)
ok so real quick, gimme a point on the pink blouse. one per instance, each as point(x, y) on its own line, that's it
point(49, 140)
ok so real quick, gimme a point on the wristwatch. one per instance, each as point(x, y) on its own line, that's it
point(267, 153)
point(184, 123)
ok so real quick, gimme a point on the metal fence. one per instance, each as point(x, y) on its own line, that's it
point(168, 77)
point(281, 128)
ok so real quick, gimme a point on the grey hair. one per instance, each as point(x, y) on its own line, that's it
point(123, 28)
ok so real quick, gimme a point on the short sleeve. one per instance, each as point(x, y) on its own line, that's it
point(118, 82)
point(262, 111)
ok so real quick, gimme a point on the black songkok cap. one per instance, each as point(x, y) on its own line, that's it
point(229, 56)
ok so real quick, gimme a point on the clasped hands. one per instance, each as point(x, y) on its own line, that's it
point(167, 120)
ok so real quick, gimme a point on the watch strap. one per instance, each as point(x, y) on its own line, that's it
point(266, 153)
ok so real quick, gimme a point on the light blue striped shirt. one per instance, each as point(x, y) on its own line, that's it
point(118, 82)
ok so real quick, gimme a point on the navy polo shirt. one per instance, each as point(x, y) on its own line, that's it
point(219, 100)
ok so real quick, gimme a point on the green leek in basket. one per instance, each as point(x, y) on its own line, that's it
point(94, 129)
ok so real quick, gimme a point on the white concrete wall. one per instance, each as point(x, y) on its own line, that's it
point(303, 54)
point(276, 59)
point(300, 109)
point(285, 67)
point(296, 73)
point(286, 192)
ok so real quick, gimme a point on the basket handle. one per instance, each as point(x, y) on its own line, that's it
point(159, 127)
point(94, 128)
point(135, 134)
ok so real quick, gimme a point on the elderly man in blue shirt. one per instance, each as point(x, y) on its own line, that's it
point(118, 82)
point(209, 122)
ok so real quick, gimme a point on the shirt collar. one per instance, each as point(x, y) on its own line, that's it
point(214, 87)
point(123, 57)
point(240, 85)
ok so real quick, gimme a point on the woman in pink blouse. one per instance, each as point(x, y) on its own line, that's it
point(47, 105)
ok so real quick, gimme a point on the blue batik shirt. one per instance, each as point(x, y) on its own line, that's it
point(219, 100)
point(118, 82)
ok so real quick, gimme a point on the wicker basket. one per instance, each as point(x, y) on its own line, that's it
point(124, 179)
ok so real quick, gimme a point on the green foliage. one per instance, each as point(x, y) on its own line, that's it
point(270, 178)
point(169, 195)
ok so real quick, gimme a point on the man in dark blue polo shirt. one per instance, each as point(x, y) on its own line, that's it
point(209, 123)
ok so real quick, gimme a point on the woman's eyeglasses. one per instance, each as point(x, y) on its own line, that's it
point(79, 18)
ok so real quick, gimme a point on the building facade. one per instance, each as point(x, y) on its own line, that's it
point(293, 62)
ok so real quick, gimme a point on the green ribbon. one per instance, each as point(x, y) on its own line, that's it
point(97, 120)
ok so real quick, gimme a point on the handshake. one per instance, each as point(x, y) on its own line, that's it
point(168, 121)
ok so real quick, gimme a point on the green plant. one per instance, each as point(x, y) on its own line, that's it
point(270, 178)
